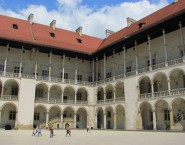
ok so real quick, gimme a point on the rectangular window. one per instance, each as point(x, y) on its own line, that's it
point(108, 114)
point(17, 69)
point(12, 115)
point(108, 75)
point(39, 93)
point(79, 96)
point(89, 78)
point(14, 91)
point(15, 26)
point(78, 117)
point(79, 77)
point(153, 62)
point(45, 73)
point(36, 116)
point(181, 53)
point(65, 97)
point(166, 115)
point(65, 75)
point(1, 67)
point(109, 95)
point(128, 69)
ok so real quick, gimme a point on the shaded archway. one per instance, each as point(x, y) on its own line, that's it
point(69, 95)
point(160, 82)
point(144, 85)
point(81, 118)
point(109, 92)
point(82, 95)
point(120, 117)
point(99, 115)
point(100, 94)
point(41, 92)
point(109, 117)
point(146, 115)
point(68, 116)
point(177, 79)
point(8, 116)
point(40, 113)
point(119, 88)
point(162, 115)
point(55, 93)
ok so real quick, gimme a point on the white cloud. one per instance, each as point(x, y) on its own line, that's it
point(71, 14)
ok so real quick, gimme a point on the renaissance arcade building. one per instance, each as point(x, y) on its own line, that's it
point(134, 79)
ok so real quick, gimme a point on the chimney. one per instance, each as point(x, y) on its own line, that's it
point(130, 21)
point(176, 1)
point(108, 32)
point(79, 30)
point(30, 18)
point(53, 24)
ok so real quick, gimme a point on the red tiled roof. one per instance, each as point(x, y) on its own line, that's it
point(67, 40)
point(150, 20)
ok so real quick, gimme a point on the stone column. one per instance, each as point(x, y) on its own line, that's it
point(5, 62)
point(96, 69)
point(74, 120)
point(104, 96)
point(96, 121)
point(2, 91)
point(150, 55)
point(63, 67)
point(169, 86)
point(115, 124)
point(50, 56)
point(47, 118)
point(62, 97)
point(0, 117)
point(124, 60)
point(182, 38)
point(154, 119)
point(104, 120)
point(20, 65)
point(76, 70)
point(171, 119)
point(75, 97)
point(93, 75)
point(165, 48)
point(136, 57)
point(61, 120)
point(152, 86)
point(104, 66)
point(114, 95)
point(48, 95)
point(88, 119)
point(113, 65)
point(36, 70)
point(16, 119)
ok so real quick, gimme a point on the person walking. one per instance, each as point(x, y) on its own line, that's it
point(68, 130)
point(51, 132)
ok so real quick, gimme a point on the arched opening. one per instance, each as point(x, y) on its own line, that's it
point(109, 118)
point(146, 115)
point(41, 93)
point(81, 118)
point(160, 83)
point(81, 96)
point(109, 93)
point(177, 79)
point(145, 86)
point(1, 88)
point(8, 116)
point(40, 114)
point(162, 115)
point(120, 93)
point(68, 116)
point(178, 107)
point(11, 90)
point(55, 94)
point(69, 95)
point(54, 116)
point(100, 123)
point(100, 94)
point(120, 117)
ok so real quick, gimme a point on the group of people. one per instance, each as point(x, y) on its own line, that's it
point(37, 131)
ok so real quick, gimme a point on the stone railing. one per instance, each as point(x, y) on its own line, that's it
point(10, 97)
point(108, 101)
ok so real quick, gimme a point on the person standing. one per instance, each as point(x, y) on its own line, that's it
point(51, 132)
point(68, 130)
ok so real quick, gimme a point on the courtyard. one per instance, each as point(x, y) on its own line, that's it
point(95, 137)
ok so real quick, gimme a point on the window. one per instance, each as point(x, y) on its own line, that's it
point(79, 96)
point(128, 69)
point(79, 40)
point(78, 117)
point(181, 53)
point(45, 73)
point(153, 62)
point(108, 114)
point(39, 93)
point(151, 116)
point(65, 75)
point(99, 96)
point(79, 77)
point(15, 26)
point(89, 78)
point(166, 115)
point(12, 115)
point(109, 95)
point(108, 75)
point(36, 116)
point(52, 34)
point(1, 67)
point(65, 97)
point(17, 69)
point(14, 91)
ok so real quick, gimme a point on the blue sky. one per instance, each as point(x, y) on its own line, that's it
point(95, 16)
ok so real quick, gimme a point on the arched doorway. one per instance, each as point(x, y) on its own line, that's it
point(81, 118)
point(99, 116)
point(120, 117)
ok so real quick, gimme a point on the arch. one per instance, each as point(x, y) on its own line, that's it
point(120, 117)
point(145, 85)
point(157, 74)
point(81, 117)
point(41, 90)
point(40, 105)
point(109, 87)
point(9, 103)
point(42, 83)
point(175, 69)
point(11, 87)
point(100, 117)
point(55, 106)
point(69, 94)
point(119, 88)
point(70, 87)
point(143, 77)
point(82, 94)
point(54, 114)
point(160, 82)
point(55, 85)
point(55, 92)
point(109, 117)
point(68, 116)
point(99, 88)
point(100, 93)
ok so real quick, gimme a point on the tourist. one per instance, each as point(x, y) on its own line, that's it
point(68, 130)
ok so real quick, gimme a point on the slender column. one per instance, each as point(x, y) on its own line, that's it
point(96, 69)
point(5, 62)
point(115, 125)
point(165, 48)
point(2, 91)
point(74, 120)
point(182, 38)
point(62, 97)
point(47, 118)
point(113, 66)
point(154, 120)
point(114, 95)
point(124, 60)
point(48, 95)
point(169, 86)
point(136, 57)
point(16, 119)
point(104, 66)
point(76, 71)
point(61, 120)
point(152, 86)
point(75, 96)
point(93, 75)
point(171, 119)
point(88, 119)
point(104, 115)
point(150, 55)
point(63, 67)
point(20, 65)
point(50, 57)
point(104, 96)
point(96, 122)
point(36, 66)
point(0, 117)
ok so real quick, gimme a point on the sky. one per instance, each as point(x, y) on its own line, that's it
point(95, 16)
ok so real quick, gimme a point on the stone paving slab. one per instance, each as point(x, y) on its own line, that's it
point(95, 137)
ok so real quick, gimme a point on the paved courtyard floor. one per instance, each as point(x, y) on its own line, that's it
point(95, 137)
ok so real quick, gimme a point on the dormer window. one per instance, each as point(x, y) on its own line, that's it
point(52, 34)
point(15, 26)
point(141, 24)
point(79, 40)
